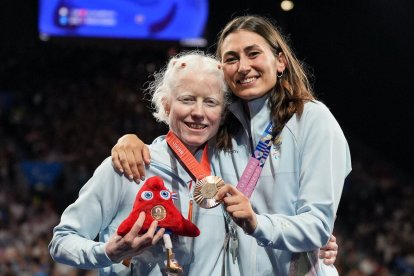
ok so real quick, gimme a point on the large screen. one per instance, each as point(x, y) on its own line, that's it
point(169, 20)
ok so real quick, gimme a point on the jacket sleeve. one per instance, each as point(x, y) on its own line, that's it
point(73, 241)
point(324, 163)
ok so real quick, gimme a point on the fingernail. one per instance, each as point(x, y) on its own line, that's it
point(142, 178)
point(130, 177)
point(137, 181)
point(121, 171)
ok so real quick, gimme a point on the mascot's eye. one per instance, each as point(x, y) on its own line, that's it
point(165, 194)
point(147, 195)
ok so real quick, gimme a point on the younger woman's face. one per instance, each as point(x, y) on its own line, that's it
point(249, 65)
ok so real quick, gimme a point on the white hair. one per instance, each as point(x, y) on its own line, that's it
point(165, 80)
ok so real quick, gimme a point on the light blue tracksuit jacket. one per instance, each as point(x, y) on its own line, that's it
point(107, 199)
point(297, 195)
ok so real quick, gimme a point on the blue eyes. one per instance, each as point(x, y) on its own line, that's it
point(165, 194)
point(187, 100)
point(208, 101)
point(148, 195)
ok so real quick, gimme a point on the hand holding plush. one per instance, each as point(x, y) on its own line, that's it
point(155, 200)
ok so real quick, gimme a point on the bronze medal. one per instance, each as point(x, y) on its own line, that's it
point(206, 189)
point(158, 212)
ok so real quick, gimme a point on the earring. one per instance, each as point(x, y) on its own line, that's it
point(279, 75)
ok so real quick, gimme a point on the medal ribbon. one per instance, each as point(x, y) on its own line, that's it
point(254, 168)
point(198, 170)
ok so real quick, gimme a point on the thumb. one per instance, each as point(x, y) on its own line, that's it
point(223, 192)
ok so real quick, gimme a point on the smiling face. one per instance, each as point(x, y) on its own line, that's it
point(249, 65)
point(195, 108)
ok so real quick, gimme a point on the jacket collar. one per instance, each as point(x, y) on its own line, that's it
point(255, 108)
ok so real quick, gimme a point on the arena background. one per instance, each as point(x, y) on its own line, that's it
point(63, 104)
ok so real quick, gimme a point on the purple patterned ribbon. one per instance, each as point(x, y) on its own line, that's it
point(252, 172)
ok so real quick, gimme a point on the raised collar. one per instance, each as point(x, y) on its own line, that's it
point(255, 107)
point(256, 121)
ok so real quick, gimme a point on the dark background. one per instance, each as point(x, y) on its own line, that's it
point(361, 54)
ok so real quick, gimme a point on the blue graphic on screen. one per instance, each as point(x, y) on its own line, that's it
point(140, 19)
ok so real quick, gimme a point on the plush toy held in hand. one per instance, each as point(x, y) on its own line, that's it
point(156, 201)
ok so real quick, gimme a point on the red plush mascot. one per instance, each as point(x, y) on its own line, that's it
point(156, 201)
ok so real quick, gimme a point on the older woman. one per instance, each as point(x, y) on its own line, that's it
point(188, 95)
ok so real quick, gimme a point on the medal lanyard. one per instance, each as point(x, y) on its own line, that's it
point(198, 170)
point(254, 168)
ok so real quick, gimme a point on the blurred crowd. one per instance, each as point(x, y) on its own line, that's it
point(68, 105)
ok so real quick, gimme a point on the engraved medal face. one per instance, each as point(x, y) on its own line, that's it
point(158, 212)
point(206, 189)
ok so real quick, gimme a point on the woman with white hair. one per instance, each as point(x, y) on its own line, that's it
point(189, 96)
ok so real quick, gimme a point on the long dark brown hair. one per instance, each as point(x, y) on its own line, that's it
point(291, 91)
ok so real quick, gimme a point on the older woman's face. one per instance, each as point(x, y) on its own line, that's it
point(195, 109)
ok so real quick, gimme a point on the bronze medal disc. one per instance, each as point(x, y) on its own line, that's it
point(158, 212)
point(206, 189)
